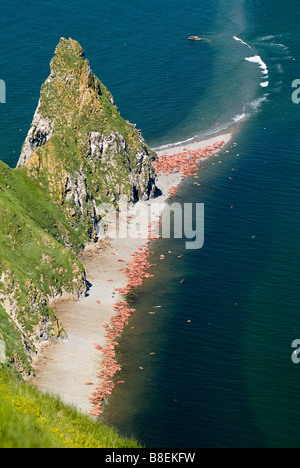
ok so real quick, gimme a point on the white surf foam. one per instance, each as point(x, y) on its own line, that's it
point(241, 40)
point(239, 117)
point(256, 104)
point(178, 143)
point(269, 38)
point(263, 66)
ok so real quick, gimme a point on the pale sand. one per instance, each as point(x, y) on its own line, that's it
point(194, 145)
point(64, 368)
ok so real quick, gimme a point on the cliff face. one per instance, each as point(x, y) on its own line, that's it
point(79, 147)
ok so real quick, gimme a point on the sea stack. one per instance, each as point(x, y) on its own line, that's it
point(79, 147)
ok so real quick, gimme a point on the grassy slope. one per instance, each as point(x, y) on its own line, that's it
point(34, 260)
point(18, 189)
point(32, 420)
point(33, 228)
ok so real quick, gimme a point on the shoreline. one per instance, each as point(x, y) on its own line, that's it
point(69, 368)
point(197, 142)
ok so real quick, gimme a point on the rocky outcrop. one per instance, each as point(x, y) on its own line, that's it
point(195, 38)
point(79, 147)
point(40, 132)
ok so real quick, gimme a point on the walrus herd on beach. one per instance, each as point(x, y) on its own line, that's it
point(187, 164)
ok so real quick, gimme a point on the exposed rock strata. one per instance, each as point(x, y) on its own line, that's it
point(80, 148)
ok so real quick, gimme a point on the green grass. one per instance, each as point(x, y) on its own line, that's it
point(28, 199)
point(36, 261)
point(30, 419)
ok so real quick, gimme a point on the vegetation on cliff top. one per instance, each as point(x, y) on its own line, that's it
point(30, 419)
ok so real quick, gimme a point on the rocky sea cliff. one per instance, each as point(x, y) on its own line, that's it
point(78, 153)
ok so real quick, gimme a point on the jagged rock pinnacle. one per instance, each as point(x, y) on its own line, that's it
point(79, 147)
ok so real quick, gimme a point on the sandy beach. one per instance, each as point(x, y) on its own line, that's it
point(70, 367)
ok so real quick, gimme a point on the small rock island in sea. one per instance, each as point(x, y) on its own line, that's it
point(195, 38)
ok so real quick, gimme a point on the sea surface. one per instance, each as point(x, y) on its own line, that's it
point(222, 374)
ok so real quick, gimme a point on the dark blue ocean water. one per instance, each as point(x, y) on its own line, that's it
point(224, 379)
